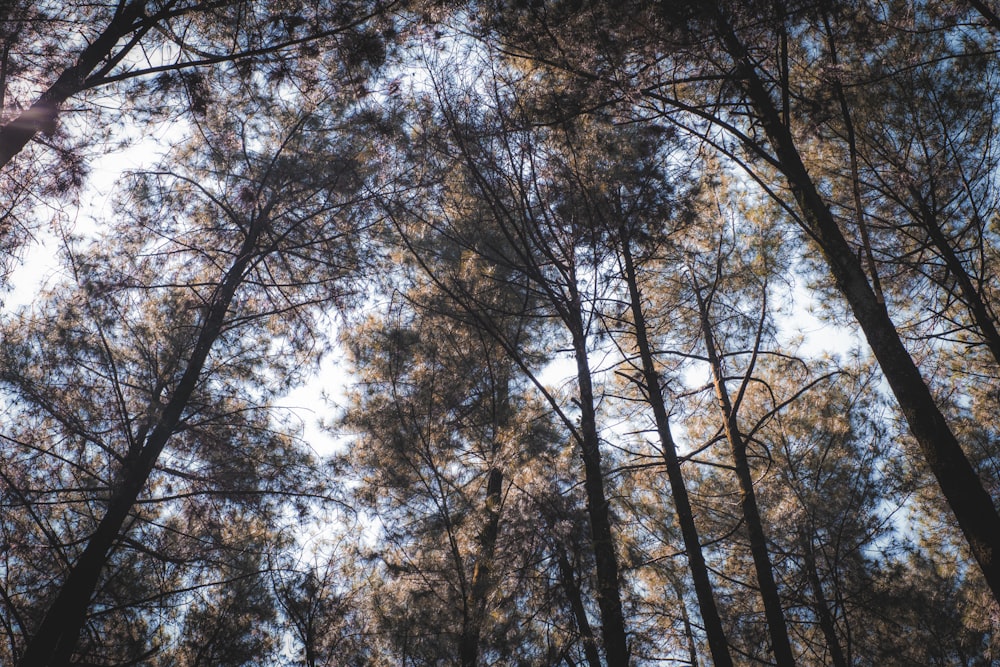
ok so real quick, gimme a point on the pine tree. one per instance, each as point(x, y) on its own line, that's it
point(156, 369)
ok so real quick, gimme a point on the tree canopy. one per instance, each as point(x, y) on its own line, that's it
point(664, 333)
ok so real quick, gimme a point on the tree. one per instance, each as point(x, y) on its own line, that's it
point(441, 434)
point(519, 188)
point(728, 406)
point(635, 219)
point(154, 62)
point(174, 37)
point(541, 229)
point(724, 75)
point(321, 601)
point(961, 486)
point(254, 231)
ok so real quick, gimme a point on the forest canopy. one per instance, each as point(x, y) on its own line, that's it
point(391, 332)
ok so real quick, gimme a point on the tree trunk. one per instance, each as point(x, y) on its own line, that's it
point(41, 116)
point(608, 584)
point(482, 575)
point(777, 627)
point(987, 13)
point(826, 622)
point(978, 309)
point(53, 642)
point(714, 631)
point(567, 577)
point(963, 490)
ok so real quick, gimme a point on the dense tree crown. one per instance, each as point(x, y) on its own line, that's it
point(664, 333)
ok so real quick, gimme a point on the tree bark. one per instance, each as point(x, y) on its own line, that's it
point(826, 622)
point(963, 490)
point(714, 631)
point(567, 577)
point(608, 582)
point(482, 575)
point(777, 627)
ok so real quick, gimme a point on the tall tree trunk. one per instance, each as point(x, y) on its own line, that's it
point(987, 13)
point(692, 646)
point(823, 614)
point(567, 577)
point(852, 150)
point(963, 490)
point(482, 574)
point(714, 631)
point(608, 582)
point(777, 627)
point(52, 644)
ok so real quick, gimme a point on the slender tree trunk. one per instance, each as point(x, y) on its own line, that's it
point(963, 490)
point(714, 631)
point(54, 641)
point(686, 619)
point(773, 612)
point(567, 577)
point(310, 645)
point(608, 582)
point(482, 574)
point(852, 149)
point(826, 622)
